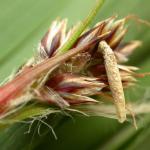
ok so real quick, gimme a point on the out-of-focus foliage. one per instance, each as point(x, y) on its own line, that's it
point(22, 24)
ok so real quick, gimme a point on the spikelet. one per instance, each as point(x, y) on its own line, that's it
point(75, 77)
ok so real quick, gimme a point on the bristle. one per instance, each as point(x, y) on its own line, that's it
point(53, 39)
point(89, 35)
point(115, 30)
point(120, 57)
point(48, 95)
point(129, 47)
point(114, 43)
point(129, 69)
point(77, 99)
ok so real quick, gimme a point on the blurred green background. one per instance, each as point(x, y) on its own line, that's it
point(22, 24)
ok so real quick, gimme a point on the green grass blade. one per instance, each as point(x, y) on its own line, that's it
point(81, 27)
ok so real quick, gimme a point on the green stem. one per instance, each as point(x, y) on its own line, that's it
point(81, 27)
